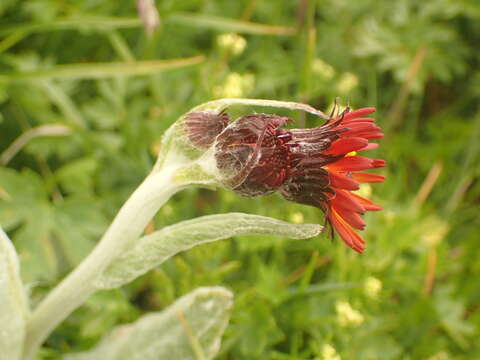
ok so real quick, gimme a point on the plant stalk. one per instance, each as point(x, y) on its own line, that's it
point(127, 227)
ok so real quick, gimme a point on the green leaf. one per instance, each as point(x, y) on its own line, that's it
point(49, 235)
point(77, 176)
point(79, 23)
point(452, 317)
point(17, 193)
point(225, 24)
point(258, 329)
point(13, 301)
point(4, 5)
point(25, 205)
point(35, 245)
point(78, 222)
point(152, 250)
point(190, 329)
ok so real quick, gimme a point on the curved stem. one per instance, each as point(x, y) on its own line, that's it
point(22, 140)
point(78, 285)
point(221, 104)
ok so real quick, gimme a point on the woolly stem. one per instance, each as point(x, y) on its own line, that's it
point(125, 229)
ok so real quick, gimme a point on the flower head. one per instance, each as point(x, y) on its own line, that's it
point(231, 42)
point(348, 316)
point(318, 166)
point(204, 126)
point(329, 353)
point(372, 287)
point(235, 85)
point(347, 83)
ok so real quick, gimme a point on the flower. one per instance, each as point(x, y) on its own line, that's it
point(204, 126)
point(442, 355)
point(318, 166)
point(297, 218)
point(323, 69)
point(433, 231)
point(347, 83)
point(329, 353)
point(372, 287)
point(235, 86)
point(348, 316)
point(231, 42)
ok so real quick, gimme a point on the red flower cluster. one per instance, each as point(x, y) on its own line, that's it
point(317, 166)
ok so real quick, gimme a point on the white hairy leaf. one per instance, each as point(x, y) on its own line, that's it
point(152, 250)
point(13, 302)
point(189, 329)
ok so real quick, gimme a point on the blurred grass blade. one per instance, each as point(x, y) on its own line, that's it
point(120, 46)
point(13, 302)
point(108, 23)
point(307, 45)
point(229, 25)
point(395, 113)
point(79, 23)
point(311, 290)
point(22, 140)
point(190, 329)
point(64, 102)
point(154, 249)
point(103, 70)
point(11, 40)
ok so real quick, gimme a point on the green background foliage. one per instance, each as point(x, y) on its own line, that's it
point(98, 94)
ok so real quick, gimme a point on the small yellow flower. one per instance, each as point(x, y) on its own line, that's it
point(434, 231)
point(297, 218)
point(365, 190)
point(235, 86)
point(232, 43)
point(372, 287)
point(347, 83)
point(390, 216)
point(442, 355)
point(347, 316)
point(323, 69)
point(329, 353)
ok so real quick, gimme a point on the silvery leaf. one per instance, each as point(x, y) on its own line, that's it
point(152, 250)
point(189, 329)
point(13, 302)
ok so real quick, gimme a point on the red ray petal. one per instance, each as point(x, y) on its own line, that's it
point(349, 236)
point(358, 113)
point(369, 132)
point(345, 200)
point(351, 163)
point(370, 146)
point(368, 177)
point(350, 121)
point(371, 136)
point(378, 163)
point(367, 204)
point(352, 218)
point(341, 181)
point(346, 145)
point(359, 125)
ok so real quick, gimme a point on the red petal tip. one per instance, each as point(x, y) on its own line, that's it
point(348, 235)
